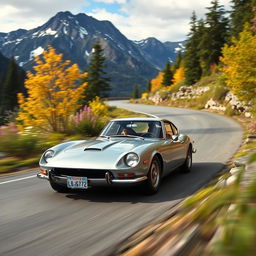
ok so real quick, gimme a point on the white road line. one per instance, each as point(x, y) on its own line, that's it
point(25, 178)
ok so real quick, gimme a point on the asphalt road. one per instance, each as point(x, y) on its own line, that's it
point(34, 220)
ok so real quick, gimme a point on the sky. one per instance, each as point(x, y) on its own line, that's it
point(167, 20)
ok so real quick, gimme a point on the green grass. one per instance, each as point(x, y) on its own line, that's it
point(9, 165)
point(8, 161)
point(120, 113)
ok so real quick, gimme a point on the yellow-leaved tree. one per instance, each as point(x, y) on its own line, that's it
point(239, 69)
point(53, 93)
point(179, 75)
point(156, 82)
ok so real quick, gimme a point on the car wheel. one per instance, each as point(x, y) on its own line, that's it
point(154, 177)
point(187, 166)
point(57, 187)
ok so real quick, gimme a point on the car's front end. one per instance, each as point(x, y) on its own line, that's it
point(104, 161)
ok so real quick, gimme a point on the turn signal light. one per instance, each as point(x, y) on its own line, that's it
point(130, 175)
point(121, 175)
point(125, 175)
point(43, 172)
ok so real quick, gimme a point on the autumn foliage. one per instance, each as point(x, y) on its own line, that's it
point(239, 61)
point(52, 93)
point(156, 83)
point(179, 75)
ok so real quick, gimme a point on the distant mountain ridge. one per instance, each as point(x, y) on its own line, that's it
point(157, 53)
point(129, 62)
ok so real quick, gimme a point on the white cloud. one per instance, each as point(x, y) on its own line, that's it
point(163, 19)
point(137, 19)
point(29, 14)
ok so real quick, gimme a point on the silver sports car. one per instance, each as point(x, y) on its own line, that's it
point(128, 151)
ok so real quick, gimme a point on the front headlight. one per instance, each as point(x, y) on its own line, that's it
point(48, 154)
point(131, 159)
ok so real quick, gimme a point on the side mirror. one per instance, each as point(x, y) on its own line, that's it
point(182, 138)
point(175, 137)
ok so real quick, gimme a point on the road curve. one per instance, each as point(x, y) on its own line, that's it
point(34, 220)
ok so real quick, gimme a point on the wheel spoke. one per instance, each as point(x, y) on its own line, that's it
point(155, 174)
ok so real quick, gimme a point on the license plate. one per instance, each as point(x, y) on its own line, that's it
point(77, 182)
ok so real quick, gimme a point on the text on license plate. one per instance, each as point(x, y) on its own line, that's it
point(77, 182)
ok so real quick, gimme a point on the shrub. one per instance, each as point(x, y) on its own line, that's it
point(144, 95)
point(86, 122)
point(84, 114)
point(89, 128)
point(175, 87)
point(6, 129)
point(230, 111)
point(98, 107)
point(19, 145)
point(219, 89)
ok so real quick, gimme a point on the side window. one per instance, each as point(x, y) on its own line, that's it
point(174, 129)
point(168, 130)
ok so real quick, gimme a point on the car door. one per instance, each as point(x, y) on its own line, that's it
point(180, 149)
point(171, 148)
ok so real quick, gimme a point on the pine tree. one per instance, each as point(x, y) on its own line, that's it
point(12, 85)
point(135, 93)
point(98, 82)
point(241, 13)
point(191, 58)
point(177, 62)
point(149, 85)
point(214, 36)
point(167, 74)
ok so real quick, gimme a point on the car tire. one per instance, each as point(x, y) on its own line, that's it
point(57, 187)
point(187, 166)
point(152, 183)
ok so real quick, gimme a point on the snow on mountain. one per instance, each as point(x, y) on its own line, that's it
point(39, 50)
point(129, 62)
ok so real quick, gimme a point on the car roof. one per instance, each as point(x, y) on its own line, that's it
point(138, 119)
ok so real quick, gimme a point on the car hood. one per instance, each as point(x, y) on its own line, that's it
point(96, 154)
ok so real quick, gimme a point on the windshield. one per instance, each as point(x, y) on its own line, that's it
point(146, 129)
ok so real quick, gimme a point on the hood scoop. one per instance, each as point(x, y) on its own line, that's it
point(100, 146)
point(92, 149)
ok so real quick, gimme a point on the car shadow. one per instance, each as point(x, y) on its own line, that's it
point(175, 186)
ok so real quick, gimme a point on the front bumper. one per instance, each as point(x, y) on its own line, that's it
point(62, 179)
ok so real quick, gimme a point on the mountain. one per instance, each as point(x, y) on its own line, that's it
point(128, 62)
point(157, 53)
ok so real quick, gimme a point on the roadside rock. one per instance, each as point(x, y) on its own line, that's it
point(237, 104)
point(189, 92)
point(156, 98)
point(212, 104)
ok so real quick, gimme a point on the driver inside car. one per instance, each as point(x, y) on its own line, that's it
point(124, 132)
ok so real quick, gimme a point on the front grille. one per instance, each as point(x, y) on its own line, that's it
point(89, 173)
